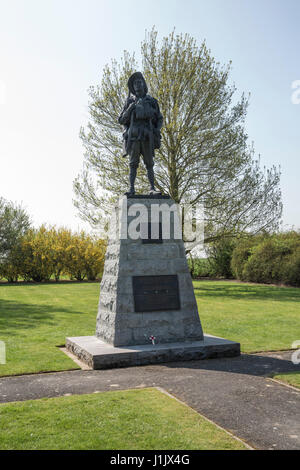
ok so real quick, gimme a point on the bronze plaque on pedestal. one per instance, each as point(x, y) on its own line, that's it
point(154, 293)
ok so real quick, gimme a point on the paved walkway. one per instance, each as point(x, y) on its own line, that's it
point(235, 393)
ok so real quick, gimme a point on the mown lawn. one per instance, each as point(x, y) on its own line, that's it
point(135, 419)
point(35, 319)
point(291, 378)
point(260, 317)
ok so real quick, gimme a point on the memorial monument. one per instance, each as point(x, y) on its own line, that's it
point(147, 307)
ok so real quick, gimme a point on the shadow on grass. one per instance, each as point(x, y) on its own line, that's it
point(18, 315)
point(246, 292)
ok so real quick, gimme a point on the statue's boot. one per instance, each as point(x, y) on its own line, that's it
point(150, 173)
point(132, 176)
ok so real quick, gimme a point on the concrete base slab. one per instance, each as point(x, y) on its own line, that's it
point(100, 355)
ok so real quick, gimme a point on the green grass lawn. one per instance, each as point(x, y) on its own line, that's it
point(35, 319)
point(291, 378)
point(135, 419)
point(260, 317)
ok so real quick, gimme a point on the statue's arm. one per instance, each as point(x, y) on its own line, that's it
point(159, 117)
point(124, 117)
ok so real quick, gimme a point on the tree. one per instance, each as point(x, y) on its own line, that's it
point(60, 240)
point(84, 257)
point(14, 223)
point(220, 254)
point(204, 157)
point(38, 263)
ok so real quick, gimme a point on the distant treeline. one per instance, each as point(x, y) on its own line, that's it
point(49, 253)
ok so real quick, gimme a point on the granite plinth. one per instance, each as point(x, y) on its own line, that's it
point(100, 355)
point(126, 318)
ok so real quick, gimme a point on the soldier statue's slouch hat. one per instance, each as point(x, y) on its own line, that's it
point(131, 82)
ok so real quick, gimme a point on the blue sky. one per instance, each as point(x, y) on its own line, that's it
point(53, 50)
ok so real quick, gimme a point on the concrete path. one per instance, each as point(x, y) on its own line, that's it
point(235, 393)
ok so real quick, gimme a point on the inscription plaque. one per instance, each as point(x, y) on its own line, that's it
point(154, 293)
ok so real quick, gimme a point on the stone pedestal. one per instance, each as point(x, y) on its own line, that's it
point(146, 292)
point(157, 269)
point(100, 355)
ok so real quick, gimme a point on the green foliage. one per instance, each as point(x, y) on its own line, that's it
point(290, 270)
point(14, 222)
point(272, 259)
point(220, 254)
point(11, 265)
point(84, 257)
point(45, 253)
point(199, 267)
point(264, 264)
point(218, 263)
point(240, 255)
point(204, 155)
point(37, 262)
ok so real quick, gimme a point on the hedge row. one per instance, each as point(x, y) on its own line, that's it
point(218, 262)
point(42, 254)
point(261, 258)
point(268, 259)
point(200, 267)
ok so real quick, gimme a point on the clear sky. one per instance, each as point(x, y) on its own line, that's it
point(53, 50)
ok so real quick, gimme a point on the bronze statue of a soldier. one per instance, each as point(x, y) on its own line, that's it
point(142, 120)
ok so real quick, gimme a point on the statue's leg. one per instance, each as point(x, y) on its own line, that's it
point(149, 163)
point(150, 173)
point(132, 176)
point(133, 166)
